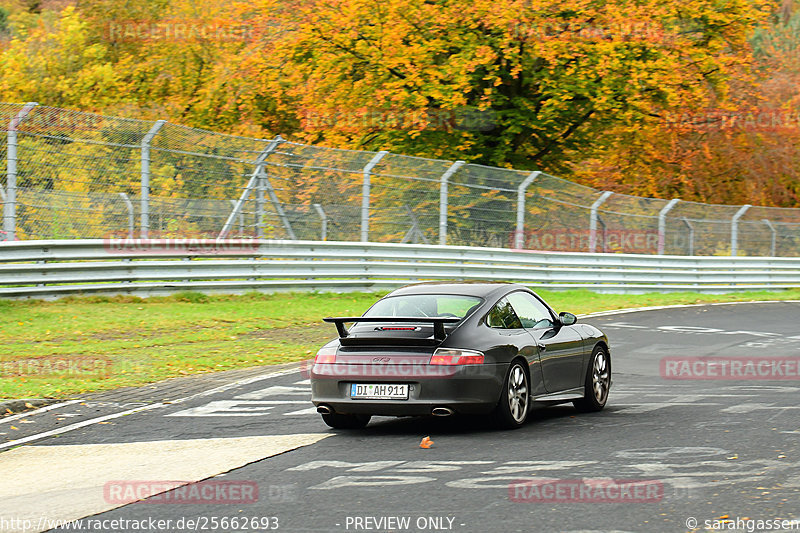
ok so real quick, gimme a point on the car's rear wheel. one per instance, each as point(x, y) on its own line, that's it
point(512, 409)
point(597, 383)
point(340, 421)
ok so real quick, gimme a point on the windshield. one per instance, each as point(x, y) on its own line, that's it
point(425, 305)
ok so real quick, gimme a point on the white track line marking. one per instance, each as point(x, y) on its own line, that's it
point(89, 475)
point(112, 416)
point(78, 425)
point(37, 411)
point(678, 306)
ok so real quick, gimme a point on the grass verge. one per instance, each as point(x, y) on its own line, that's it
point(82, 344)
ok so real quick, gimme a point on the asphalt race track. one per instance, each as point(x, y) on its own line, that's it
point(711, 448)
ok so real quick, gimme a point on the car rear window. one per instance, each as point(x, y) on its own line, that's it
point(425, 305)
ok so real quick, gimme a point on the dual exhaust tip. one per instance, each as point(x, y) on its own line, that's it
point(437, 411)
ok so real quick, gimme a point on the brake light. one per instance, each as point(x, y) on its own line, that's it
point(447, 356)
point(325, 356)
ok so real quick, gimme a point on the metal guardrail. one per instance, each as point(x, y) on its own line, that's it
point(46, 269)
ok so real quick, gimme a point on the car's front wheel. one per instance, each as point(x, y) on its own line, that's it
point(597, 383)
point(512, 409)
point(339, 421)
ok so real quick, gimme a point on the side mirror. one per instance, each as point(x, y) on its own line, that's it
point(567, 319)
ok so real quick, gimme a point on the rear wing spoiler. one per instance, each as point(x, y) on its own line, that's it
point(437, 321)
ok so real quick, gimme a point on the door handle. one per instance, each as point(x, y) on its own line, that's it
point(541, 347)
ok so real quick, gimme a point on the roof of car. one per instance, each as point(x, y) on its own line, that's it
point(480, 289)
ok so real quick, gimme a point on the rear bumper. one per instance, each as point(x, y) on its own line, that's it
point(471, 389)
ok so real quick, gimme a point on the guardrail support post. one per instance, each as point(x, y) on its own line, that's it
point(256, 180)
point(662, 224)
point(691, 235)
point(735, 229)
point(519, 237)
point(444, 192)
point(323, 220)
point(131, 216)
point(10, 200)
point(145, 199)
point(593, 221)
point(774, 231)
point(365, 193)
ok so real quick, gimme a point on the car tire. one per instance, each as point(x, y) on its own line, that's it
point(512, 408)
point(339, 421)
point(597, 382)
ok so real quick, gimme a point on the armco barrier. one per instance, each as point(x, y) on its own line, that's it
point(46, 269)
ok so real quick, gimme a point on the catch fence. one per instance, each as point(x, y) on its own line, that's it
point(70, 175)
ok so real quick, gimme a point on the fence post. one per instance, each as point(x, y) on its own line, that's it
point(414, 232)
point(10, 203)
point(241, 220)
point(365, 193)
point(145, 199)
point(774, 231)
point(256, 180)
point(605, 239)
point(444, 192)
point(519, 239)
point(735, 229)
point(260, 190)
point(131, 216)
point(3, 199)
point(691, 235)
point(593, 221)
point(323, 220)
point(662, 224)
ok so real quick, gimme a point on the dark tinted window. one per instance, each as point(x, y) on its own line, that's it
point(503, 316)
point(422, 305)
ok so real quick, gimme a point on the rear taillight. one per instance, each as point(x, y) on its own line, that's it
point(325, 356)
point(449, 356)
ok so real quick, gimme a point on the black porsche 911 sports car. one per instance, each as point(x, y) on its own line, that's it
point(470, 348)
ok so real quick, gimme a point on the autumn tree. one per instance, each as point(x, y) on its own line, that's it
point(744, 149)
point(518, 83)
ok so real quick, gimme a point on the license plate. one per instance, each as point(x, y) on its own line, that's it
point(378, 391)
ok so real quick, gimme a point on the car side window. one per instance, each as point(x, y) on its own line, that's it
point(531, 312)
point(502, 316)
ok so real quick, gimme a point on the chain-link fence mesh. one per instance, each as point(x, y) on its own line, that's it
point(81, 175)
